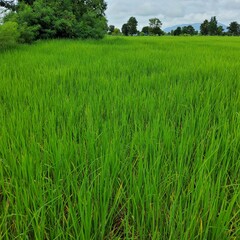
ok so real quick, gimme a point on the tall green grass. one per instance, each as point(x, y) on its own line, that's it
point(124, 138)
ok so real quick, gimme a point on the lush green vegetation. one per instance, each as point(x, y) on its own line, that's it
point(43, 19)
point(122, 138)
point(8, 35)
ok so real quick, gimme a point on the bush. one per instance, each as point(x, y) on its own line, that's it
point(91, 26)
point(44, 19)
point(28, 24)
point(8, 34)
point(28, 34)
point(64, 26)
point(27, 28)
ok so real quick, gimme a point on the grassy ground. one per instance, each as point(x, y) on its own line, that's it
point(124, 138)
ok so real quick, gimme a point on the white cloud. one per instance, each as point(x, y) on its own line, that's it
point(172, 12)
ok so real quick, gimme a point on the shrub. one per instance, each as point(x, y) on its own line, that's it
point(28, 34)
point(25, 19)
point(8, 34)
point(91, 26)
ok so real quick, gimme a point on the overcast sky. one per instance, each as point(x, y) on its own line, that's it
point(172, 12)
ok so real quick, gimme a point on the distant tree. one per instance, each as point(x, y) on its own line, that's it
point(220, 30)
point(157, 31)
point(213, 26)
point(155, 26)
point(145, 30)
point(204, 27)
point(184, 30)
point(177, 31)
point(116, 32)
point(190, 30)
point(132, 26)
point(111, 29)
point(155, 22)
point(234, 29)
point(125, 29)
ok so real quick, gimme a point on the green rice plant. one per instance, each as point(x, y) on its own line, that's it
point(122, 138)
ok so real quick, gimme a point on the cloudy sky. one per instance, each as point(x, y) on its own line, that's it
point(172, 12)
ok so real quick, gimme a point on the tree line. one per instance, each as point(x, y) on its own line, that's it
point(130, 28)
point(207, 28)
point(30, 20)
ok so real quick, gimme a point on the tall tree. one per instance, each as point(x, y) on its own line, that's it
point(190, 30)
point(234, 29)
point(111, 29)
point(154, 23)
point(125, 30)
point(213, 26)
point(146, 30)
point(132, 25)
point(204, 28)
point(155, 26)
point(81, 7)
point(220, 30)
point(184, 30)
point(177, 31)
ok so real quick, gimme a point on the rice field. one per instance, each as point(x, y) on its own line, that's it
point(123, 138)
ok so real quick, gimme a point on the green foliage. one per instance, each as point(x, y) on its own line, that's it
point(111, 29)
point(204, 28)
point(116, 32)
point(10, 17)
point(177, 31)
point(47, 20)
point(189, 30)
point(234, 29)
point(219, 31)
point(146, 30)
point(132, 26)
point(28, 34)
point(125, 29)
point(64, 26)
point(28, 24)
point(155, 22)
point(184, 31)
point(8, 35)
point(42, 19)
point(123, 138)
point(91, 27)
point(156, 31)
point(155, 27)
point(213, 26)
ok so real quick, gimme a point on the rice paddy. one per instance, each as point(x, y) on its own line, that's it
point(123, 138)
